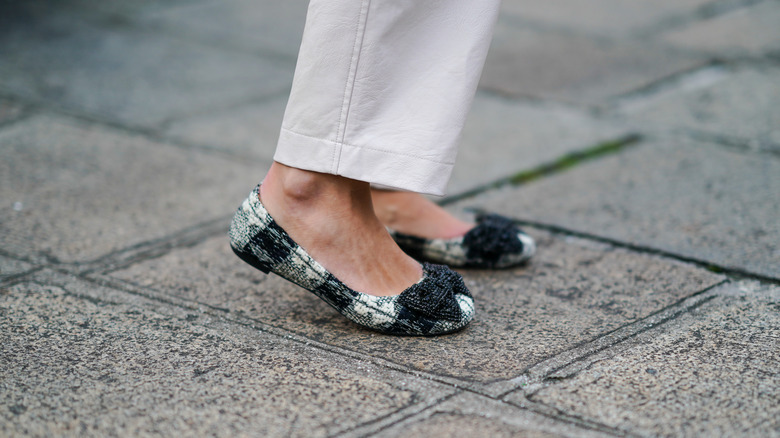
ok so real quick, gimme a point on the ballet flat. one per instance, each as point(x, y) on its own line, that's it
point(437, 304)
point(494, 243)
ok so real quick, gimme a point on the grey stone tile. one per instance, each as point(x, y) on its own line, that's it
point(128, 75)
point(741, 108)
point(87, 190)
point(10, 267)
point(80, 360)
point(569, 294)
point(254, 25)
point(748, 31)
point(603, 17)
point(696, 200)
point(503, 137)
point(712, 373)
point(249, 131)
point(574, 69)
point(469, 415)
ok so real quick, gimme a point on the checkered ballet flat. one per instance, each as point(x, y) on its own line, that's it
point(495, 243)
point(439, 303)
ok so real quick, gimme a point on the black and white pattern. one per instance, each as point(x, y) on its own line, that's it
point(439, 303)
point(495, 243)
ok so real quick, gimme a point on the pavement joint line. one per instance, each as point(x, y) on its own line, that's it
point(41, 259)
point(592, 109)
point(124, 22)
point(25, 113)
point(665, 24)
point(133, 24)
point(254, 100)
point(735, 273)
point(151, 134)
point(132, 289)
point(739, 59)
point(384, 422)
point(538, 102)
point(559, 415)
point(734, 144)
point(704, 12)
point(541, 26)
point(703, 74)
point(648, 323)
point(270, 54)
point(583, 424)
point(154, 248)
point(540, 373)
point(20, 277)
point(5, 253)
point(562, 163)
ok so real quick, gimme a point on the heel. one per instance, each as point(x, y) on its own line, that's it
point(252, 260)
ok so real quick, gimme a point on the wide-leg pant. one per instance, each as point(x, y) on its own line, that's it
point(382, 88)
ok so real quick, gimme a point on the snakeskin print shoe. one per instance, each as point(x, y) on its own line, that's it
point(439, 303)
point(495, 243)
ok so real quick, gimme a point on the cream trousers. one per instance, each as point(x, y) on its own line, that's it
point(382, 88)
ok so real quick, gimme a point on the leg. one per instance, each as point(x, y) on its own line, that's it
point(413, 214)
point(333, 219)
point(380, 93)
point(381, 97)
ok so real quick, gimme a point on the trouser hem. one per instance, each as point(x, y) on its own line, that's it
point(380, 167)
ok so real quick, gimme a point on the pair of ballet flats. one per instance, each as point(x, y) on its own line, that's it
point(437, 304)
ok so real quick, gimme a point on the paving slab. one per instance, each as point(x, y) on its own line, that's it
point(571, 293)
point(81, 360)
point(246, 131)
point(546, 65)
point(711, 373)
point(747, 31)
point(469, 415)
point(695, 200)
point(261, 26)
point(502, 137)
point(603, 17)
point(128, 75)
point(741, 108)
point(86, 190)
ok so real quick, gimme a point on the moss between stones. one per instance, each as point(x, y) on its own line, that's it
point(574, 158)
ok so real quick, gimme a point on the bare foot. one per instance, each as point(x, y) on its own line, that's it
point(333, 219)
point(414, 214)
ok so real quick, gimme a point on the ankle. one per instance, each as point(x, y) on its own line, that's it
point(293, 185)
point(304, 193)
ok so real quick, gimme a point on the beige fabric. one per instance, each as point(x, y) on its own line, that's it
point(382, 88)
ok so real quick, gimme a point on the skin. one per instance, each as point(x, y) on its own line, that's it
point(334, 219)
point(414, 214)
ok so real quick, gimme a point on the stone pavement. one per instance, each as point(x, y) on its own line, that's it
point(637, 141)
